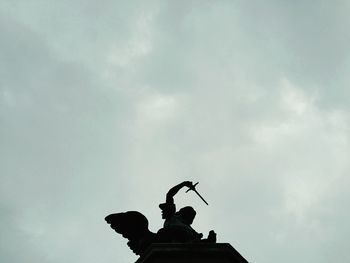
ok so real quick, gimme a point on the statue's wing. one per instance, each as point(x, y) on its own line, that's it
point(134, 226)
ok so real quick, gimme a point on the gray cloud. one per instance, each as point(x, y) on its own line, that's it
point(104, 106)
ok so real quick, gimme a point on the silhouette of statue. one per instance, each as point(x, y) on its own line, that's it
point(134, 226)
point(177, 225)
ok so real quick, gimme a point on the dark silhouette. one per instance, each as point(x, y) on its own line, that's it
point(177, 225)
point(134, 226)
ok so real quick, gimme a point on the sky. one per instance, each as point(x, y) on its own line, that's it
point(105, 105)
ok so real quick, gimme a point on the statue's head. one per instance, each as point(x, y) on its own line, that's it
point(167, 210)
point(187, 214)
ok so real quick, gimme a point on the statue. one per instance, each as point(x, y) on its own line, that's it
point(176, 229)
point(134, 226)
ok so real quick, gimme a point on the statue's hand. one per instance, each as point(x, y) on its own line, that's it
point(212, 236)
point(189, 184)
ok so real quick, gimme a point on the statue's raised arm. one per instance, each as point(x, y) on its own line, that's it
point(168, 208)
point(174, 190)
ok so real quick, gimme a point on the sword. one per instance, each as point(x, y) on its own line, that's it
point(193, 188)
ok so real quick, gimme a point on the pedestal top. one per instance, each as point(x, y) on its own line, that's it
point(191, 253)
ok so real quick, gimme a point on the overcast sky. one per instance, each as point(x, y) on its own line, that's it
point(105, 105)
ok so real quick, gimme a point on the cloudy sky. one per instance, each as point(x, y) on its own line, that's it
point(104, 105)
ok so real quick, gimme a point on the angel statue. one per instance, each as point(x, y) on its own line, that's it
point(176, 229)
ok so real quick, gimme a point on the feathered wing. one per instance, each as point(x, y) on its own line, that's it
point(134, 226)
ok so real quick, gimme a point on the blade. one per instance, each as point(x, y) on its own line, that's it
point(200, 196)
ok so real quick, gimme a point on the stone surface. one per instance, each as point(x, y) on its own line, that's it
point(191, 253)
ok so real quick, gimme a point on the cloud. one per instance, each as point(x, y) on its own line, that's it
point(105, 106)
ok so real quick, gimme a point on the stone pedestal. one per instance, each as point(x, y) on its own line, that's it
point(191, 253)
